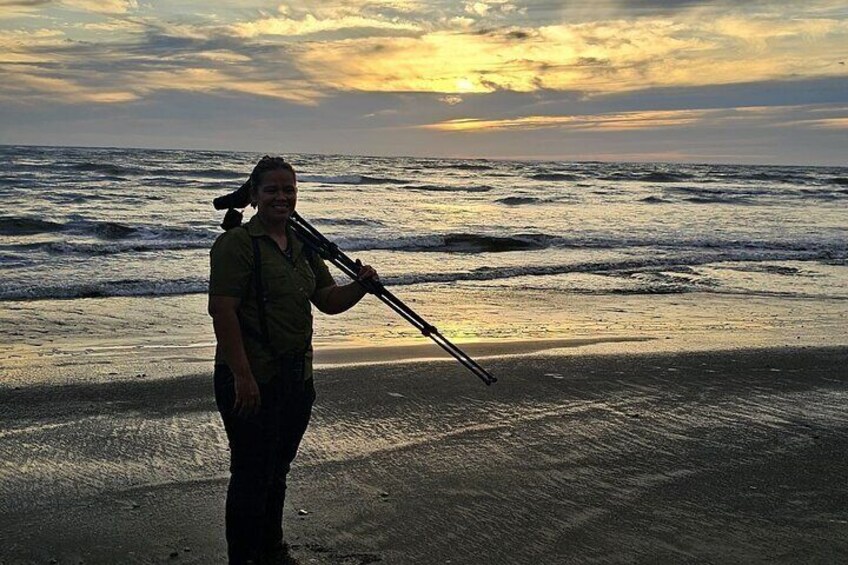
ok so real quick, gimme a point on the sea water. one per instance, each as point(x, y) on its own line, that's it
point(98, 244)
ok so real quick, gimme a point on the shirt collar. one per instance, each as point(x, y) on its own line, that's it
point(256, 228)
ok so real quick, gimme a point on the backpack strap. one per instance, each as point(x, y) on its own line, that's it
point(263, 336)
point(260, 291)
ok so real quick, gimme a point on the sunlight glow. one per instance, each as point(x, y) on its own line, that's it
point(409, 47)
point(375, 72)
point(804, 116)
point(309, 24)
point(607, 122)
point(610, 56)
point(829, 123)
point(102, 6)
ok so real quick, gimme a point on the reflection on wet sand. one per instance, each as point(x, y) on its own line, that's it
point(713, 456)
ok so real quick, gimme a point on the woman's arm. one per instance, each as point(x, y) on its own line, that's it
point(224, 312)
point(336, 299)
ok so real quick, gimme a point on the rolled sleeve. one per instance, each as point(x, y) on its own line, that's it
point(231, 264)
point(323, 278)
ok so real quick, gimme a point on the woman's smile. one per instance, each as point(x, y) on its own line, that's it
point(277, 195)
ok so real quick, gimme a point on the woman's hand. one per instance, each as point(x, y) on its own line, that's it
point(247, 396)
point(367, 273)
point(224, 312)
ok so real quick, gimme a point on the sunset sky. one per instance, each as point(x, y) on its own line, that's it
point(760, 81)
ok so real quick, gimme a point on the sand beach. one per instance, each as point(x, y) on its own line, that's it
point(734, 456)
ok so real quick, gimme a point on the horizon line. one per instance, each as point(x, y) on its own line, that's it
point(543, 159)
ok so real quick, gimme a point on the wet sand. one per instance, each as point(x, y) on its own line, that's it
point(706, 457)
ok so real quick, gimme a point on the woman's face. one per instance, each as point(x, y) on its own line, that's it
point(276, 196)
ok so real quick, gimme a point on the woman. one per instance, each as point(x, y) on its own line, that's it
point(262, 282)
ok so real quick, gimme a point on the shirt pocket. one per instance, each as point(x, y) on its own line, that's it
point(305, 278)
point(275, 277)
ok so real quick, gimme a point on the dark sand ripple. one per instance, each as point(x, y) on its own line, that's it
point(706, 458)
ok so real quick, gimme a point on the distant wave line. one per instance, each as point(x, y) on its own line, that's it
point(658, 267)
point(108, 238)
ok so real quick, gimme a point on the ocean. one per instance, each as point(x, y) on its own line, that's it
point(98, 244)
point(570, 282)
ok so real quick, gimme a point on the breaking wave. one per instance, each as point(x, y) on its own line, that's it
point(518, 200)
point(443, 188)
point(653, 176)
point(349, 179)
point(13, 225)
point(554, 177)
point(468, 167)
point(151, 235)
point(656, 275)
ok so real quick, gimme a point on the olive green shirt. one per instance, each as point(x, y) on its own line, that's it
point(288, 285)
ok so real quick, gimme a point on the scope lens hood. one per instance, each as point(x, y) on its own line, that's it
point(237, 199)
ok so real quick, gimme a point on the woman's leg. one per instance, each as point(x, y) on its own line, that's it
point(252, 445)
point(295, 409)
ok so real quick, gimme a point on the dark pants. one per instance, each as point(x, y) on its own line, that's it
point(262, 448)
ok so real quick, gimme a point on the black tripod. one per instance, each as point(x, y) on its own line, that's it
point(331, 252)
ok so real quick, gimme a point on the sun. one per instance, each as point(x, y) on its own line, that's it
point(464, 85)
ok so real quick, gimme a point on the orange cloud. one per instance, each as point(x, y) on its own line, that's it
point(643, 120)
point(603, 122)
point(103, 6)
point(825, 123)
point(400, 46)
point(605, 56)
point(309, 24)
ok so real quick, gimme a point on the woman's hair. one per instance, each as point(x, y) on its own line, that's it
point(266, 164)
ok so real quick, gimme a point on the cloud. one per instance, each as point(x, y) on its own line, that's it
point(8, 38)
point(600, 122)
point(832, 117)
point(214, 80)
point(141, 60)
point(774, 30)
point(382, 113)
point(477, 8)
point(306, 52)
point(10, 9)
point(769, 117)
point(603, 56)
point(23, 3)
point(664, 5)
point(102, 6)
point(310, 24)
point(114, 26)
point(29, 46)
point(383, 124)
point(451, 100)
point(497, 9)
point(34, 87)
point(828, 123)
point(30, 8)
